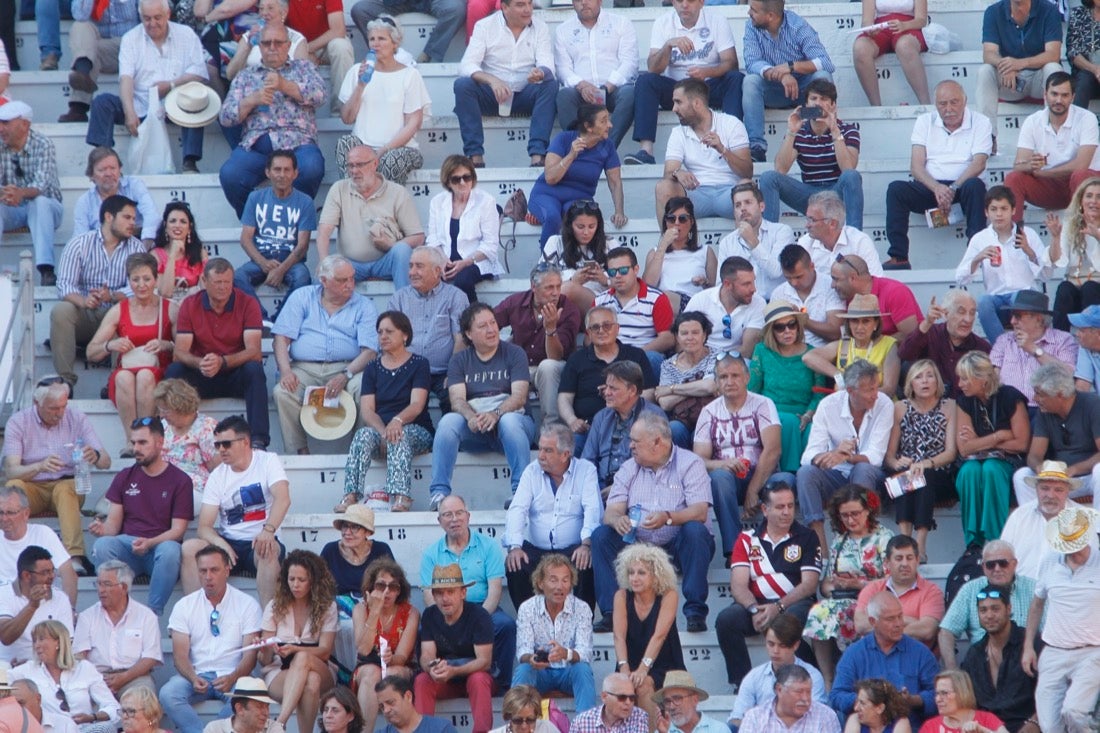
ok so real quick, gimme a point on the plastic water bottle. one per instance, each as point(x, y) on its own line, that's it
point(82, 472)
point(372, 59)
point(257, 31)
point(635, 519)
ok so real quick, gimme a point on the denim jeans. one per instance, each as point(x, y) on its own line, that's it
point(107, 112)
point(394, 265)
point(620, 103)
point(682, 435)
point(759, 93)
point(817, 485)
point(450, 18)
point(178, 695)
point(514, 435)
point(162, 565)
point(989, 314)
point(573, 679)
point(244, 170)
point(42, 215)
point(653, 92)
point(473, 100)
point(47, 17)
point(250, 274)
point(656, 358)
point(734, 624)
point(504, 647)
point(691, 550)
point(778, 187)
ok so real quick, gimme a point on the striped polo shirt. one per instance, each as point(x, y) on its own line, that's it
point(642, 317)
point(817, 153)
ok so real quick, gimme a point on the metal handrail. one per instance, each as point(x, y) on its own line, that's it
point(19, 333)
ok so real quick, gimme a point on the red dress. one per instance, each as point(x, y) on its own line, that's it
point(184, 269)
point(139, 336)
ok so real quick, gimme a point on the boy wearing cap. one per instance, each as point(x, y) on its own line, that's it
point(1069, 582)
point(456, 649)
point(30, 191)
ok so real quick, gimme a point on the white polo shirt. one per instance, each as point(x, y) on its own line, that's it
point(1072, 597)
point(238, 615)
point(37, 534)
point(750, 315)
point(821, 301)
point(950, 153)
point(850, 242)
point(1016, 271)
point(115, 647)
point(1061, 145)
point(773, 237)
point(711, 35)
point(704, 162)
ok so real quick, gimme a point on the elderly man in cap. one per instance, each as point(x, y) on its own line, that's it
point(324, 336)
point(793, 708)
point(1086, 326)
point(679, 703)
point(31, 192)
point(618, 712)
point(13, 717)
point(1031, 343)
point(456, 649)
point(1068, 591)
point(1025, 525)
point(1066, 429)
point(251, 710)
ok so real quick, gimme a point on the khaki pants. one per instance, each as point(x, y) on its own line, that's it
point(289, 404)
point(59, 496)
point(69, 326)
point(85, 41)
point(338, 54)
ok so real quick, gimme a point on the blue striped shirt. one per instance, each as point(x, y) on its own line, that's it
point(85, 265)
point(797, 41)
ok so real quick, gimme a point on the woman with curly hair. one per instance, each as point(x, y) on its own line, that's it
point(180, 252)
point(340, 712)
point(856, 556)
point(644, 621)
point(304, 618)
point(384, 613)
point(1075, 245)
point(879, 708)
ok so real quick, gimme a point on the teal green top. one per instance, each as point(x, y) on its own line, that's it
point(785, 380)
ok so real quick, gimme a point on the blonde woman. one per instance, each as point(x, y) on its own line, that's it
point(188, 434)
point(1075, 245)
point(141, 711)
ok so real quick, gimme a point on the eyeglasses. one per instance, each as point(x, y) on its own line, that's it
point(853, 515)
point(348, 526)
point(215, 615)
point(990, 593)
point(456, 514)
point(60, 694)
point(9, 513)
point(999, 563)
point(143, 422)
point(812, 220)
point(105, 584)
point(225, 444)
point(676, 699)
point(621, 697)
point(273, 43)
point(620, 271)
point(128, 712)
point(47, 573)
point(677, 218)
point(584, 206)
point(382, 587)
point(601, 326)
point(464, 178)
point(786, 326)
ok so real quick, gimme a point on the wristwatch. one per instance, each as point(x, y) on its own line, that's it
point(348, 375)
point(648, 662)
point(668, 522)
point(1039, 352)
point(754, 609)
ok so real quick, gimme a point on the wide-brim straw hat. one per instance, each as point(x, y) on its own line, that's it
point(448, 576)
point(678, 679)
point(864, 306)
point(330, 423)
point(252, 688)
point(1053, 471)
point(192, 105)
point(778, 309)
point(357, 514)
point(1071, 530)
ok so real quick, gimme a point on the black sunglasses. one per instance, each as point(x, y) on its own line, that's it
point(990, 564)
point(785, 326)
point(143, 422)
point(18, 168)
point(48, 381)
point(677, 218)
point(464, 178)
point(584, 206)
point(64, 700)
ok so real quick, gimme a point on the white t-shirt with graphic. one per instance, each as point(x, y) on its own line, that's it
point(244, 498)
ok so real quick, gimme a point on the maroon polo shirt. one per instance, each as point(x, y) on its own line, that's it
point(528, 332)
point(218, 333)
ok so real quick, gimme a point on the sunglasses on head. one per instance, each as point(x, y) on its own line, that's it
point(677, 218)
point(48, 381)
point(990, 564)
point(463, 178)
point(143, 422)
point(990, 593)
point(584, 206)
point(613, 271)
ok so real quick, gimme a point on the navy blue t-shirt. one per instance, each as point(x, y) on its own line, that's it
point(391, 389)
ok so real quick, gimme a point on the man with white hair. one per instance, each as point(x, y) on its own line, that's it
point(20, 533)
point(15, 714)
point(999, 565)
point(828, 237)
point(325, 335)
point(1066, 429)
point(153, 58)
point(619, 710)
point(32, 440)
point(1069, 583)
point(793, 708)
point(26, 692)
point(944, 335)
point(120, 636)
point(31, 192)
point(1031, 343)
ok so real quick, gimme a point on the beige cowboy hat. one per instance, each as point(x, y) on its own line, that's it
point(678, 679)
point(329, 423)
point(1053, 471)
point(448, 576)
point(252, 688)
point(192, 105)
point(357, 514)
point(782, 309)
point(864, 306)
point(1072, 529)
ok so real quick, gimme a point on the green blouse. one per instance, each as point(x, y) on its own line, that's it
point(785, 380)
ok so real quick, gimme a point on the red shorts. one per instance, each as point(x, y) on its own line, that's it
point(887, 40)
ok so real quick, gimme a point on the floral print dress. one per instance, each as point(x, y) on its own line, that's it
point(834, 618)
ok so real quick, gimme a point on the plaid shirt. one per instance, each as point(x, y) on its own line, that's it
point(797, 41)
point(591, 721)
point(32, 440)
point(678, 484)
point(38, 163)
point(85, 264)
point(289, 123)
point(818, 719)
